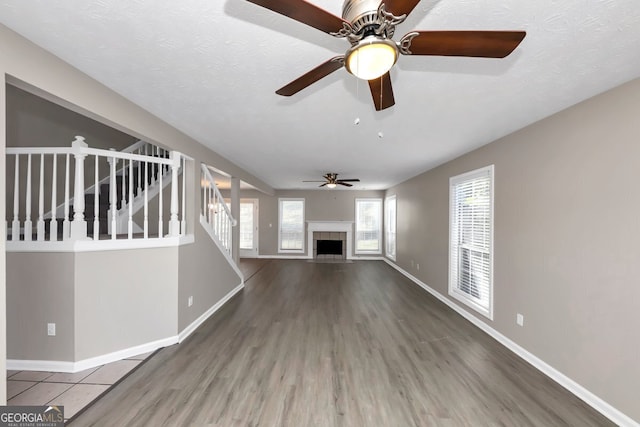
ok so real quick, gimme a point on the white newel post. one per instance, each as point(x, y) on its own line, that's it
point(78, 225)
point(174, 222)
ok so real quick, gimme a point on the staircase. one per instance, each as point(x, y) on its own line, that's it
point(124, 183)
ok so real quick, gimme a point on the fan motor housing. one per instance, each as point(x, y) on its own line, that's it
point(361, 13)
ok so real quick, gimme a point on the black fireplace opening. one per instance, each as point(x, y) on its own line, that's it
point(329, 247)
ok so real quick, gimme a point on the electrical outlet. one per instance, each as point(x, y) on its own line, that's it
point(520, 319)
point(190, 301)
point(51, 329)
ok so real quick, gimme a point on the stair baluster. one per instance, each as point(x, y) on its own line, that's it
point(53, 225)
point(40, 223)
point(65, 222)
point(130, 222)
point(28, 225)
point(96, 200)
point(15, 224)
point(113, 197)
point(146, 201)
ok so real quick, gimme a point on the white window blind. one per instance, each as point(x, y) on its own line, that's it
point(471, 239)
point(291, 225)
point(368, 226)
point(390, 226)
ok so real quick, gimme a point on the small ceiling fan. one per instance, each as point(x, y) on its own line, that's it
point(331, 181)
point(369, 26)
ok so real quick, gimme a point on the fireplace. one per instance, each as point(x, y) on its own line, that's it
point(329, 240)
point(329, 245)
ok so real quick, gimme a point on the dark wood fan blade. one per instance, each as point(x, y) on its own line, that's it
point(306, 13)
point(323, 184)
point(312, 76)
point(349, 180)
point(382, 92)
point(483, 44)
point(344, 183)
point(400, 7)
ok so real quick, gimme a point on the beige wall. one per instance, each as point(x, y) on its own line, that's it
point(566, 233)
point(123, 299)
point(320, 205)
point(40, 291)
point(3, 233)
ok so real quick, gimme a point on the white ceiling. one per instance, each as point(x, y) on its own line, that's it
point(210, 68)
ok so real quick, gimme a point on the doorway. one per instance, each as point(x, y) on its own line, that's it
point(248, 228)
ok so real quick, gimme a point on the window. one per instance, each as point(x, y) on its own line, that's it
point(291, 225)
point(368, 226)
point(390, 227)
point(471, 239)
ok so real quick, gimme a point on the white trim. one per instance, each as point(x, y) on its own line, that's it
point(290, 199)
point(97, 245)
point(380, 249)
point(284, 257)
point(453, 282)
point(72, 367)
point(579, 391)
point(385, 220)
point(330, 226)
point(203, 318)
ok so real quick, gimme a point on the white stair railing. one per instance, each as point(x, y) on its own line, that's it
point(215, 212)
point(148, 168)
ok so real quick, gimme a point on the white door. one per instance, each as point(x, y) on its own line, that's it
point(248, 228)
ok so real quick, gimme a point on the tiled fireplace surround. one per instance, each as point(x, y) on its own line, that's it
point(329, 230)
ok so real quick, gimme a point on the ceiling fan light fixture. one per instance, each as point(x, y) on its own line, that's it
point(331, 185)
point(371, 57)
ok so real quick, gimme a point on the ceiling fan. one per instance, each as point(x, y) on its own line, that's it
point(331, 181)
point(369, 26)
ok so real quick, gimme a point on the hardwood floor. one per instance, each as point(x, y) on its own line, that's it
point(350, 344)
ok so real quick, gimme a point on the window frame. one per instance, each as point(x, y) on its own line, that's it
point(477, 304)
point(280, 203)
point(388, 226)
point(380, 227)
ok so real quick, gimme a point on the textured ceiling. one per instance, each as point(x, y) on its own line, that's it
point(210, 68)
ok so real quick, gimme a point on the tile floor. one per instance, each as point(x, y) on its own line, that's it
point(73, 391)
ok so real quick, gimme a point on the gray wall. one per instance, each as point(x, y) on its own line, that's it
point(58, 82)
point(40, 289)
point(3, 233)
point(124, 298)
point(320, 205)
point(35, 122)
point(566, 233)
point(205, 275)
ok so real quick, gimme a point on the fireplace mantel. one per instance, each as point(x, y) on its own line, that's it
point(336, 226)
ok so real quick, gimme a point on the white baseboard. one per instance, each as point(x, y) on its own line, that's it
point(200, 320)
point(72, 367)
point(284, 257)
point(582, 393)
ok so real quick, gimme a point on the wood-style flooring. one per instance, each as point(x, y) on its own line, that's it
point(348, 344)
